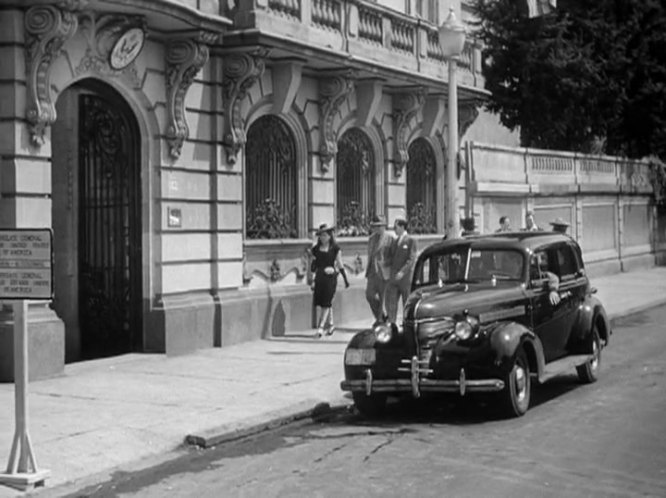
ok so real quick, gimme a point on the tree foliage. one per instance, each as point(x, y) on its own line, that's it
point(589, 77)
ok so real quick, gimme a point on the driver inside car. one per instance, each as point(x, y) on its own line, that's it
point(553, 280)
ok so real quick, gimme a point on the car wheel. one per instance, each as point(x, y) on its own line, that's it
point(589, 371)
point(370, 406)
point(517, 386)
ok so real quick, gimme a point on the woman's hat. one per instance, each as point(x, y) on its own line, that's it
point(377, 221)
point(324, 227)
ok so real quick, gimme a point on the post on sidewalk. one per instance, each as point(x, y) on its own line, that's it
point(26, 273)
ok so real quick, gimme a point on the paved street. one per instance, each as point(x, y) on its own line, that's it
point(606, 439)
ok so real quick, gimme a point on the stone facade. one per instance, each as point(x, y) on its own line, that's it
point(322, 68)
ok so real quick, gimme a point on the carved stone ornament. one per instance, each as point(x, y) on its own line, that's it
point(102, 34)
point(333, 90)
point(275, 271)
point(406, 106)
point(241, 71)
point(184, 59)
point(47, 28)
point(467, 114)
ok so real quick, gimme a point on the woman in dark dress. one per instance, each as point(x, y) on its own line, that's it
point(326, 264)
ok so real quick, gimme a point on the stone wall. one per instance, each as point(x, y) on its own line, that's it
point(608, 201)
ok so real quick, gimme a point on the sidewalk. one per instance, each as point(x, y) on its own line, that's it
point(127, 412)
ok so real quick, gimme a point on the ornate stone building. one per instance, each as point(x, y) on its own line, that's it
point(183, 152)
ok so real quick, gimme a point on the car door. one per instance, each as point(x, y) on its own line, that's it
point(572, 289)
point(550, 321)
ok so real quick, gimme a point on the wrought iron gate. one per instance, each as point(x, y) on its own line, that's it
point(110, 297)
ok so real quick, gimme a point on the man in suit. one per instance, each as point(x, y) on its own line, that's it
point(403, 257)
point(530, 224)
point(378, 270)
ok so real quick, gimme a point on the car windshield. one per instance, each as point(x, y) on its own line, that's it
point(469, 265)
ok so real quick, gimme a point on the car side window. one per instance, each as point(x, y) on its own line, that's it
point(567, 265)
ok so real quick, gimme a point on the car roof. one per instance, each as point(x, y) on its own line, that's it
point(521, 241)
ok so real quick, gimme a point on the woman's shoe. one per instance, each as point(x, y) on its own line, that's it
point(318, 333)
point(330, 330)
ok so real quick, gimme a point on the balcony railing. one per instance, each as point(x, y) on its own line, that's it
point(360, 28)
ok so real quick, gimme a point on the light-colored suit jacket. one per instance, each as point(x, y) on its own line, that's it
point(403, 256)
point(379, 255)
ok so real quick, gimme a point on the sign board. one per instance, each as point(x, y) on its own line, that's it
point(26, 263)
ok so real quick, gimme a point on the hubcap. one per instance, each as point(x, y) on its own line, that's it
point(521, 383)
point(594, 363)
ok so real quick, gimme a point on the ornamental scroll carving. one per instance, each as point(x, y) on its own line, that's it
point(47, 28)
point(241, 71)
point(333, 91)
point(406, 106)
point(467, 114)
point(101, 33)
point(184, 59)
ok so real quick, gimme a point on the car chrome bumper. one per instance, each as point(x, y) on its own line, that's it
point(417, 385)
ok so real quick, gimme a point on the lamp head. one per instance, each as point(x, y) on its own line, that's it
point(452, 36)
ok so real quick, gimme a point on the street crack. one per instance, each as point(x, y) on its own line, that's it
point(384, 444)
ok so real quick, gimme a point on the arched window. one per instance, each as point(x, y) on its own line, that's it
point(270, 180)
point(355, 177)
point(421, 188)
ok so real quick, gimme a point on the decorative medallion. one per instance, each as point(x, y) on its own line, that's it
point(184, 59)
point(333, 91)
point(406, 106)
point(241, 71)
point(126, 48)
point(47, 28)
point(103, 34)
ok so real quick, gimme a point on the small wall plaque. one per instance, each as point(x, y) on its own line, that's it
point(174, 217)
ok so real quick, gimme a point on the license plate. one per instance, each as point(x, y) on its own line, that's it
point(360, 357)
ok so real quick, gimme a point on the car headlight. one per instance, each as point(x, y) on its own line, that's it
point(383, 332)
point(466, 328)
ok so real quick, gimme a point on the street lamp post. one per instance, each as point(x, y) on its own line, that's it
point(452, 42)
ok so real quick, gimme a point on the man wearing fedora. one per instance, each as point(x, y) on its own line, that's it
point(403, 257)
point(559, 225)
point(378, 271)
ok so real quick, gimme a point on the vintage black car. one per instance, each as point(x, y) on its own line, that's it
point(487, 314)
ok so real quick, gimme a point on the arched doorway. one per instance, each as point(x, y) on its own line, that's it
point(96, 176)
point(271, 180)
point(355, 182)
point(421, 188)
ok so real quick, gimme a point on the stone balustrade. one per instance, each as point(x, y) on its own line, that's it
point(563, 171)
point(362, 29)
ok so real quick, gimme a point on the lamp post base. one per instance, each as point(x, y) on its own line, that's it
point(25, 481)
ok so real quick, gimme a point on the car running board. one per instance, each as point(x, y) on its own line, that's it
point(563, 365)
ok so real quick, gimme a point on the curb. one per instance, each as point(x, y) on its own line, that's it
point(308, 410)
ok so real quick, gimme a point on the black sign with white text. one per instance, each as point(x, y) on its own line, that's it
point(26, 264)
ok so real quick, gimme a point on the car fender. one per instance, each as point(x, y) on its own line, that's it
point(592, 311)
point(505, 339)
point(365, 339)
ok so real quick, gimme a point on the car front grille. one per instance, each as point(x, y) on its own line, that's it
point(424, 334)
